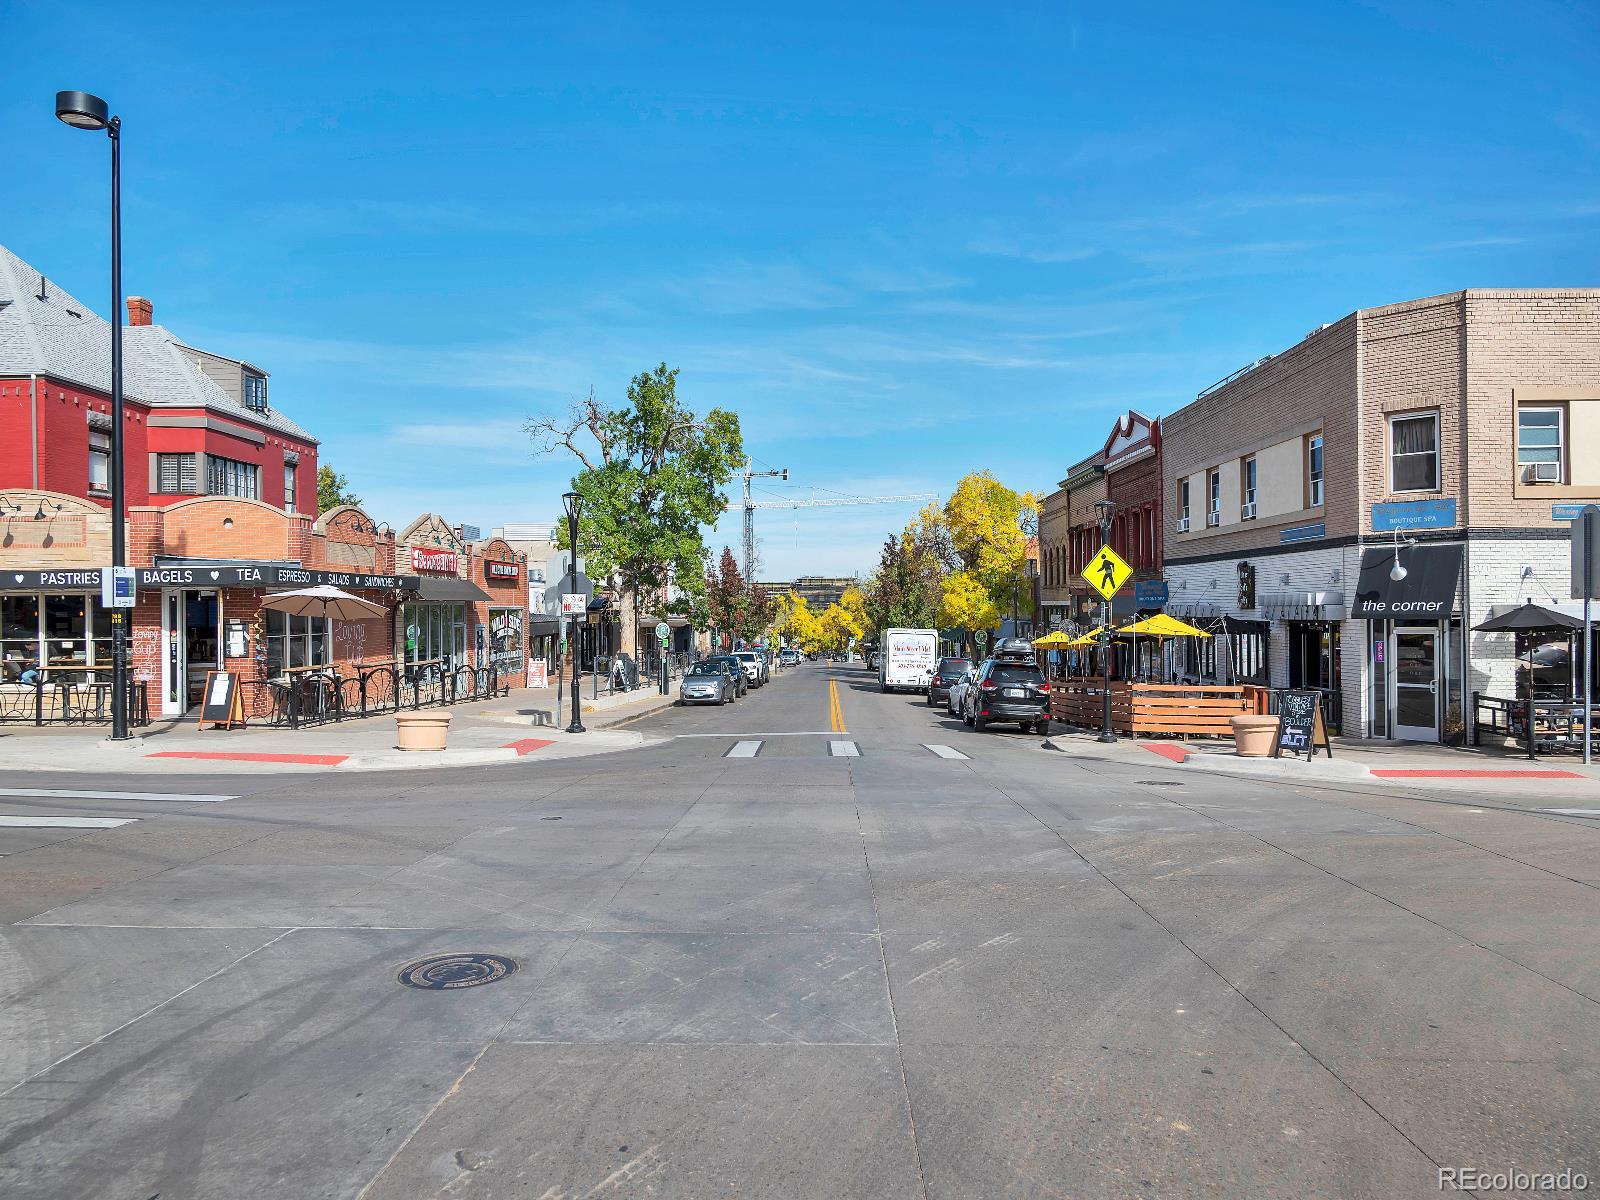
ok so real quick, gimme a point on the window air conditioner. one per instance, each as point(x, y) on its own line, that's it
point(1541, 473)
point(1183, 524)
point(1247, 512)
point(1213, 518)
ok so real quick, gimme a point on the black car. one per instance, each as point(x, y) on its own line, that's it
point(741, 680)
point(1008, 689)
point(947, 672)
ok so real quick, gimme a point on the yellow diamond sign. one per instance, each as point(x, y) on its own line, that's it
point(1107, 572)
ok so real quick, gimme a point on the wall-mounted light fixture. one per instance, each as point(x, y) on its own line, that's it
point(1398, 571)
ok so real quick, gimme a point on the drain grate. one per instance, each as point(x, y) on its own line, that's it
point(442, 972)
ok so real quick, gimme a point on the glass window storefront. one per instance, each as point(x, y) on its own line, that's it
point(59, 631)
point(295, 642)
point(505, 637)
point(435, 633)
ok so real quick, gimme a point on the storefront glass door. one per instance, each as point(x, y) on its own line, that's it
point(193, 643)
point(1415, 672)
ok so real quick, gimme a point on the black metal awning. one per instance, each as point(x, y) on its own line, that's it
point(1243, 625)
point(447, 588)
point(543, 627)
point(1427, 593)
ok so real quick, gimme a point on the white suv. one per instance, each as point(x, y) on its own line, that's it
point(755, 669)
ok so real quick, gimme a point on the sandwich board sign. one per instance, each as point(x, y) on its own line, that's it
point(221, 703)
point(1300, 724)
point(1107, 572)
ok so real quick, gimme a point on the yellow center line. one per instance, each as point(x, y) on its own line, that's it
point(835, 710)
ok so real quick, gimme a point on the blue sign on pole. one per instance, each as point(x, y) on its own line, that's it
point(1414, 514)
point(1150, 593)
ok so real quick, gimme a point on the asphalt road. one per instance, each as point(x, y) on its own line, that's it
point(804, 972)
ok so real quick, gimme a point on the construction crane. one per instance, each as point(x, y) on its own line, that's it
point(750, 506)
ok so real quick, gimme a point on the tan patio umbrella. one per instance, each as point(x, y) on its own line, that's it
point(324, 600)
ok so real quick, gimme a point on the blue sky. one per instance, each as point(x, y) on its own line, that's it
point(903, 242)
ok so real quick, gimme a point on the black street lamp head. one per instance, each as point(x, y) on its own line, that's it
point(571, 504)
point(82, 111)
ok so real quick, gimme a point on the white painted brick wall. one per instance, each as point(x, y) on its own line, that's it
point(1494, 575)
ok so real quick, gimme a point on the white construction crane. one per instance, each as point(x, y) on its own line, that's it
point(751, 505)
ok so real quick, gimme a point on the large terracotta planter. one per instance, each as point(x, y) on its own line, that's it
point(422, 730)
point(1252, 736)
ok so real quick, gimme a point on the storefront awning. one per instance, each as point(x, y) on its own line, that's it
point(1427, 593)
point(1238, 625)
point(543, 627)
point(448, 588)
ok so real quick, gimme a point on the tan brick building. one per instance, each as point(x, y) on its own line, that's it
point(1451, 435)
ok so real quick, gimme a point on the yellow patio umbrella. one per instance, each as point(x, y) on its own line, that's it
point(1053, 640)
point(1163, 626)
point(1092, 638)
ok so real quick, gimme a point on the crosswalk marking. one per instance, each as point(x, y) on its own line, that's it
point(945, 751)
point(1574, 812)
point(743, 750)
point(34, 822)
point(68, 794)
point(843, 750)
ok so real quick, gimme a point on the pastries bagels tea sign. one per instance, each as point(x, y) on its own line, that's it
point(434, 562)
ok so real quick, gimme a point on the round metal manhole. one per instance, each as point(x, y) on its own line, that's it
point(444, 972)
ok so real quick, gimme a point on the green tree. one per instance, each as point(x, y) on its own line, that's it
point(333, 489)
point(653, 478)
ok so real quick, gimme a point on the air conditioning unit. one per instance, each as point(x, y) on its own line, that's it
point(1183, 524)
point(1541, 473)
point(1247, 512)
point(1213, 518)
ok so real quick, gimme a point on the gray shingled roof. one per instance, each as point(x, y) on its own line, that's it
point(60, 337)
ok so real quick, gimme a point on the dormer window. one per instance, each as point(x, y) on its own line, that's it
point(255, 392)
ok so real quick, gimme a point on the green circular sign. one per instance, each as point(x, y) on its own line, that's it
point(662, 631)
point(982, 637)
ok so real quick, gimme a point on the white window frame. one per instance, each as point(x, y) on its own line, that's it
point(1438, 481)
point(290, 486)
point(187, 466)
point(1561, 438)
point(1247, 481)
point(99, 448)
point(1183, 499)
point(1214, 491)
point(1316, 469)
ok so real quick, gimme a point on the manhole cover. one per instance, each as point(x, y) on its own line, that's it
point(441, 972)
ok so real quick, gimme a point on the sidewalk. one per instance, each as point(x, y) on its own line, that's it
point(518, 727)
point(1406, 763)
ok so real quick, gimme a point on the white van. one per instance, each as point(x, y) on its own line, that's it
point(906, 659)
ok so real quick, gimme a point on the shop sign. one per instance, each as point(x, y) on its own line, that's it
point(502, 570)
point(1567, 512)
point(438, 562)
point(1303, 533)
point(1414, 514)
point(1150, 593)
point(72, 580)
point(265, 576)
point(1426, 591)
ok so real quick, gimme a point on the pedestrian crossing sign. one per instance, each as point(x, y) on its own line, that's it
point(1107, 572)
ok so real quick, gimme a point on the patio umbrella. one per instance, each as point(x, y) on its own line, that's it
point(1161, 627)
point(1053, 640)
point(1530, 618)
point(323, 600)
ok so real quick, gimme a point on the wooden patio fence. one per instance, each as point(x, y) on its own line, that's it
point(1152, 708)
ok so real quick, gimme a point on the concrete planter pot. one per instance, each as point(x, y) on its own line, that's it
point(422, 730)
point(1252, 736)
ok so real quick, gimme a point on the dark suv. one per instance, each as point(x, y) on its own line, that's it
point(947, 672)
point(1008, 689)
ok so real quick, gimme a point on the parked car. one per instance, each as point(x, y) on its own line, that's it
point(755, 667)
point(1010, 688)
point(737, 667)
point(945, 673)
point(789, 658)
point(956, 695)
point(710, 682)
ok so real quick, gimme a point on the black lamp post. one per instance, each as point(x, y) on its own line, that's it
point(83, 111)
point(572, 505)
point(1105, 508)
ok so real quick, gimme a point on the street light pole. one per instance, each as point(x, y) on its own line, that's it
point(1105, 508)
point(572, 503)
point(83, 111)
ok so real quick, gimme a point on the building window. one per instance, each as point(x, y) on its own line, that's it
point(1183, 502)
point(99, 461)
point(1249, 657)
point(288, 487)
point(68, 635)
point(229, 477)
point(177, 474)
point(1540, 445)
point(1314, 471)
point(505, 637)
point(1214, 503)
point(1414, 453)
point(255, 392)
point(295, 642)
point(1247, 485)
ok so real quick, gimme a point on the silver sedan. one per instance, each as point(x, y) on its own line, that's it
point(957, 696)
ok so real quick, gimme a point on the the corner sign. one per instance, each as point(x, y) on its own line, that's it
point(1414, 514)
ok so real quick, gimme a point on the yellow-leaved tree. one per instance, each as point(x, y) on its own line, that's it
point(981, 535)
point(797, 624)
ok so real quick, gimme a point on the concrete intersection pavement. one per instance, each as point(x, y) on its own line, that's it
point(823, 942)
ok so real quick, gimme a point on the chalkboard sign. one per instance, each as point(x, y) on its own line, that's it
point(1300, 724)
point(221, 703)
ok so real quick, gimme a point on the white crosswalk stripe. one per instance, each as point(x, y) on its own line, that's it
point(945, 751)
point(69, 794)
point(1574, 812)
point(743, 750)
point(843, 750)
point(41, 822)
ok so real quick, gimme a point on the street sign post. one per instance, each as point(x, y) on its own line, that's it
point(663, 631)
point(1107, 572)
point(1586, 587)
point(119, 587)
point(573, 604)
